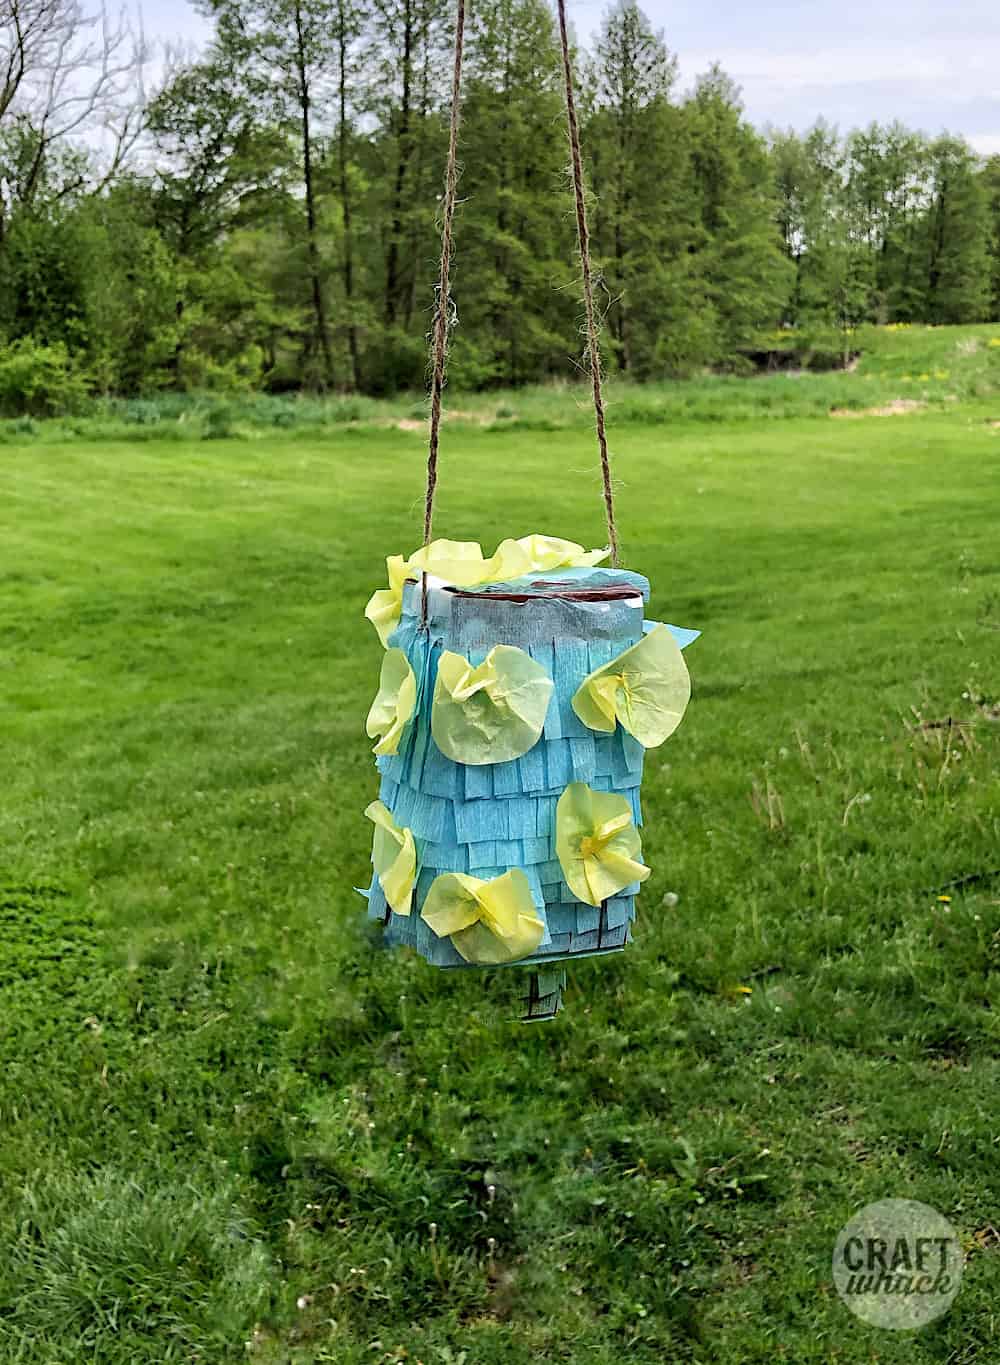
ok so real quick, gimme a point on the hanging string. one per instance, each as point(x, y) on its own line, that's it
point(442, 316)
point(593, 328)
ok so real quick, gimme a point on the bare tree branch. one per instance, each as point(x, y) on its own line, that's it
point(68, 72)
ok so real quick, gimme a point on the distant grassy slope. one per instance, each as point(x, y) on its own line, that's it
point(229, 1121)
point(933, 366)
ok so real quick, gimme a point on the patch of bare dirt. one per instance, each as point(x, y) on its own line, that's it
point(896, 408)
point(482, 419)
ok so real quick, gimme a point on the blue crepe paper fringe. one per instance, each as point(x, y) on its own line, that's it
point(486, 819)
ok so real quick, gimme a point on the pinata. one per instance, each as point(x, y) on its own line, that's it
point(517, 696)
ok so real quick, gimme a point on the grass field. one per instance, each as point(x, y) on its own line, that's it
point(233, 1128)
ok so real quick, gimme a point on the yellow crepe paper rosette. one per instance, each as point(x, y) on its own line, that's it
point(394, 857)
point(647, 689)
point(597, 843)
point(453, 561)
point(461, 563)
point(492, 713)
point(538, 554)
point(489, 922)
point(385, 605)
point(394, 702)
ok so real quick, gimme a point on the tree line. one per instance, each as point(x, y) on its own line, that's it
point(267, 216)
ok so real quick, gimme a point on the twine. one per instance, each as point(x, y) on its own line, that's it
point(593, 351)
point(442, 317)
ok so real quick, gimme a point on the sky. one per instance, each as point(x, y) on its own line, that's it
point(935, 66)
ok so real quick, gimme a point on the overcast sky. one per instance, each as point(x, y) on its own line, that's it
point(935, 66)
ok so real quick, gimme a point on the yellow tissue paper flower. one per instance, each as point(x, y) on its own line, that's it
point(394, 702)
point(394, 857)
point(538, 554)
point(597, 843)
point(461, 563)
point(453, 561)
point(488, 921)
point(384, 606)
point(646, 688)
point(492, 713)
point(549, 552)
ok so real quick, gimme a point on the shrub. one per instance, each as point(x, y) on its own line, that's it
point(219, 422)
point(39, 381)
point(200, 372)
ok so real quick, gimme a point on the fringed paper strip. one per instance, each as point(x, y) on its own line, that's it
point(483, 820)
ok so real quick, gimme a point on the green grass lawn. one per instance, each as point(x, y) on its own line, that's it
point(233, 1127)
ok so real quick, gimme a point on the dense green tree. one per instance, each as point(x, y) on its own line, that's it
point(516, 242)
point(888, 194)
point(405, 55)
point(92, 274)
point(130, 280)
point(885, 226)
point(632, 128)
point(282, 52)
point(991, 188)
point(958, 231)
point(217, 167)
point(834, 266)
point(279, 227)
point(216, 163)
point(349, 27)
point(746, 273)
